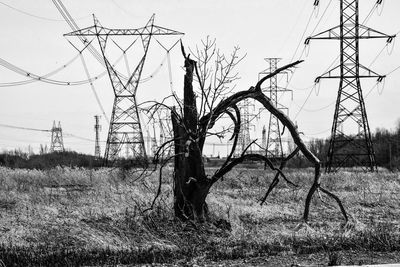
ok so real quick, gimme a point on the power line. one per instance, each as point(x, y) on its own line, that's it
point(317, 109)
point(123, 9)
point(44, 79)
point(71, 22)
point(302, 106)
point(395, 69)
point(45, 130)
point(18, 83)
point(35, 16)
point(293, 27)
point(23, 128)
point(318, 133)
point(94, 89)
point(302, 35)
point(78, 137)
point(322, 16)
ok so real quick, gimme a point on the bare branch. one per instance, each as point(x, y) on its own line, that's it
point(241, 159)
point(159, 183)
point(275, 181)
point(337, 200)
point(262, 80)
point(183, 49)
point(158, 152)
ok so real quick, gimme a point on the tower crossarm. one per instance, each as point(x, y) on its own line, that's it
point(368, 33)
point(332, 33)
point(97, 30)
point(334, 73)
point(364, 33)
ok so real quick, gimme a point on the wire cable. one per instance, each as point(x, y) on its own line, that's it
point(44, 79)
point(71, 22)
point(318, 133)
point(302, 36)
point(302, 106)
point(23, 128)
point(94, 89)
point(293, 27)
point(9, 84)
point(65, 134)
point(317, 109)
point(395, 69)
point(322, 16)
point(36, 16)
point(301, 40)
point(123, 9)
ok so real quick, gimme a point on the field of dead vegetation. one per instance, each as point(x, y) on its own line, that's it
point(81, 217)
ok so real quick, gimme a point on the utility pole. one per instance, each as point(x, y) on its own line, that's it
point(273, 148)
point(264, 137)
point(154, 145)
point(125, 127)
point(57, 144)
point(345, 148)
point(97, 129)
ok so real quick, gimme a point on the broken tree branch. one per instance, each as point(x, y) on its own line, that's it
point(275, 181)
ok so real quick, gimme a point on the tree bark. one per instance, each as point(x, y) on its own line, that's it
point(191, 183)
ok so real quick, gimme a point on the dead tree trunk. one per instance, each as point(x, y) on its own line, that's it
point(191, 183)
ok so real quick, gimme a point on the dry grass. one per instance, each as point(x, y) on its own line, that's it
point(90, 217)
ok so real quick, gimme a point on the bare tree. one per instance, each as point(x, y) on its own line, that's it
point(213, 75)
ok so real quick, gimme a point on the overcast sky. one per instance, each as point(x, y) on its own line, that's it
point(32, 39)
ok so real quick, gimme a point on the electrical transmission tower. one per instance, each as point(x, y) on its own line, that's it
point(273, 146)
point(97, 129)
point(346, 149)
point(164, 122)
point(57, 144)
point(125, 128)
point(244, 134)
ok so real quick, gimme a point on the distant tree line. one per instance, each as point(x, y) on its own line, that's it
point(19, 159)
point(47, 160)
point(386, 146)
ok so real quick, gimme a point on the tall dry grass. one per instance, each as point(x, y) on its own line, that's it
point(82, 216)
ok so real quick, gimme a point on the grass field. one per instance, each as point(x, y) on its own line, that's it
point(70, 217)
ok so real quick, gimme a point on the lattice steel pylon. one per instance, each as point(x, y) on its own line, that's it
point(125, 127)
point(274, 148)
point(346, 149)
point(57, 143)
point(244, 133)
point(97, 129)
point(163, 119)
